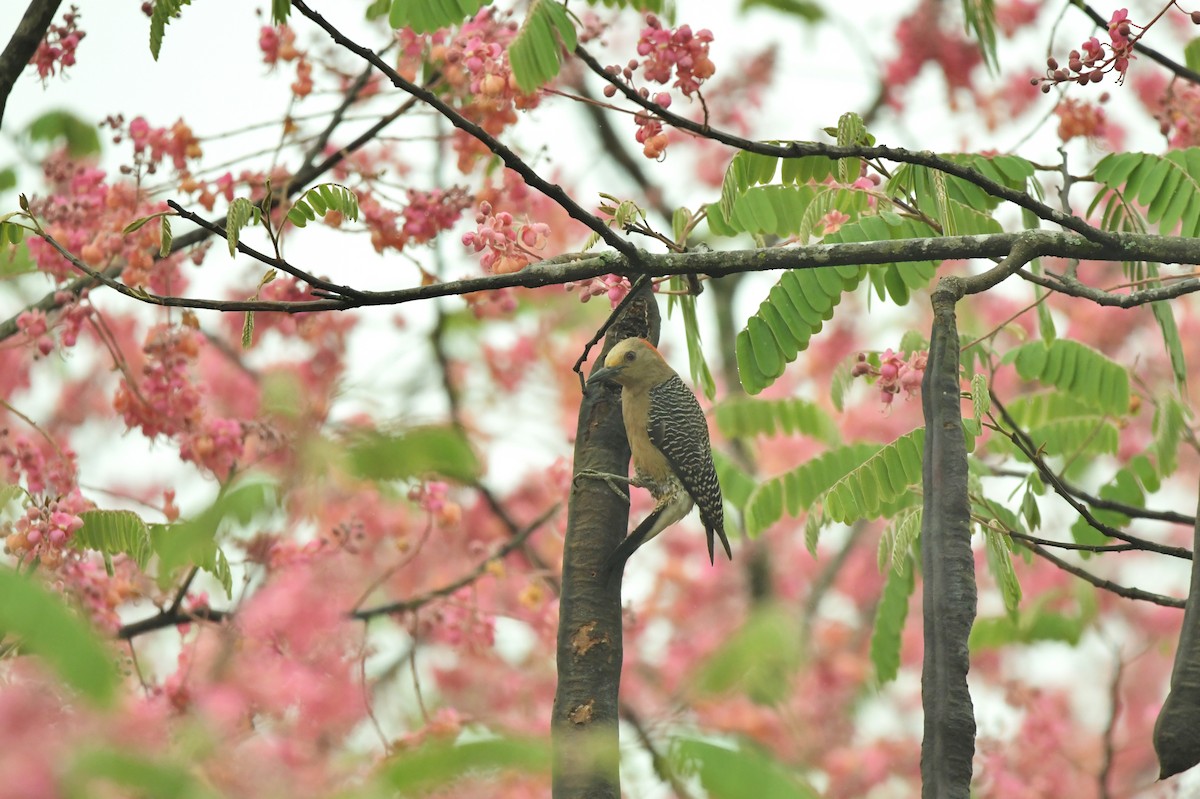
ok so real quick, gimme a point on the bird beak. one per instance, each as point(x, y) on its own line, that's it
point(605, 374)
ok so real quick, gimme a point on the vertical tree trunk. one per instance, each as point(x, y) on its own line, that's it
point(1176, 738)
point(948, 566)
point(584, 724)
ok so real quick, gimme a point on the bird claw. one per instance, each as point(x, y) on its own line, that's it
point(610, 480)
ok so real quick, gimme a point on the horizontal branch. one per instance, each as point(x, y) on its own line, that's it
point(1100, 582)
point(573, 268)
point(169, 618)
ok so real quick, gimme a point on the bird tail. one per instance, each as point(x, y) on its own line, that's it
point(614, 565)
point(714, 529)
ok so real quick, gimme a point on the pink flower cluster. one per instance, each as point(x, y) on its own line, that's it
point(680, 51)
point(486, 63)
point(428, 213)
point(923, 40)
point(1078, 119)
point(43, 475)
point(278, 43)
point(665, 52)
point(1094, 59)
point(154, 144)
point(46, 527)
point(57, 50)
point(614, 286)
point(167, 402)
point(895, 374)
point(508, 248)
point(44, 530)
point(86, 214)
point(433, 498)
point(71, 315)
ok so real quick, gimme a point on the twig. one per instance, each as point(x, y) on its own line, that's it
point(275, 263)
point(1114, 699)
point(804, 149)
point(448, 589)
point(510, 159)
point(1100, 582)
point(1027, 447)
point(165, 619)
point(660, 764)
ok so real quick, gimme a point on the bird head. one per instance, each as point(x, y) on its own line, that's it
point(630, 362)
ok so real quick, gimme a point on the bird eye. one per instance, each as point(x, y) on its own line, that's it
point(629, 356)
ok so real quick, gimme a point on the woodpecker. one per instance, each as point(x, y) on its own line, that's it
point(668, 437)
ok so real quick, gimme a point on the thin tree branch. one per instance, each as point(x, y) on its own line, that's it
point(168, 619)
point(1179, 69)
point(1046, 542)
point(446, 590)
point(275, 263)
point(301, 179)
point(510, 159)
point(660, 764)
point(1029, 449)
point(1110, 728)
point(1100, 582)
point(803, 149)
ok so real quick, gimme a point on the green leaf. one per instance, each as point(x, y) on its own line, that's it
point(980, 16)
point(736, 485)
point(437, 763)
point(139, 774)
point(194, 542)
point(896, 543)
point(1191, 55)
point(416, 452)
point(699, 367)
point(882, 480)
point(805, 10)
point(160, 17)
point(113, 532)
point(981, 401)
point(536, 53)
point(80, 137)
point(1164, 315)
point(744, 417)
point(890, 614)
point(426, 16)
point(727, 773)
point(999, 560)
point(280, 9)
point(165, 238)
point(1036, 623)
point(248, 330)
point(1170, 422)
point(799, 489)
point(1085, 373)
point(240, 212)
point(47, 628)
point(758, 660)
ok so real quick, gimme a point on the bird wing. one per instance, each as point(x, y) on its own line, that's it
point(677, 427)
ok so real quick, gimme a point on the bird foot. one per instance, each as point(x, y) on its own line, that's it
point(610, 479)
